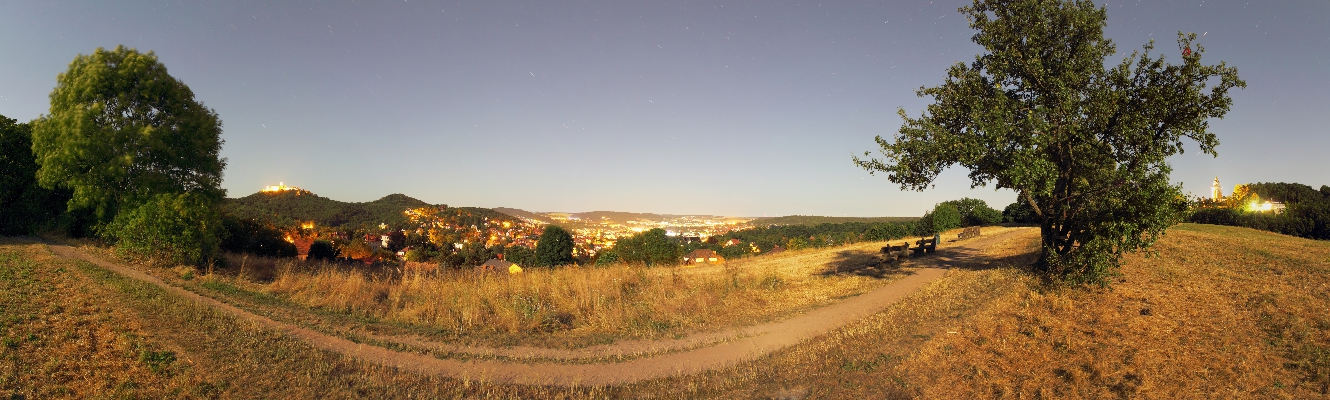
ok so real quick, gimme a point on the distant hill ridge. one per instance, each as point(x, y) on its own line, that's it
point(290, 208)
point(814, 220)
point(622, 216)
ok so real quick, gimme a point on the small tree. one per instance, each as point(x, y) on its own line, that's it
point(1086, 145)
point(322, 250)
point(555, 247)
point(975, 212)
point(944, 216)
point(652, 247)
point(396, 241)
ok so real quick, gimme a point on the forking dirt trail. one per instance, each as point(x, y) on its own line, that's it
point(747, 343)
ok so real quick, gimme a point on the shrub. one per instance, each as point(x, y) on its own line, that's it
point(323, 250)
point(253, 237)
point(182, 228)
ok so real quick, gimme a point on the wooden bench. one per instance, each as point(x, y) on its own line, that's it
point(925, 246)
point(893, 253)
point(969, 233)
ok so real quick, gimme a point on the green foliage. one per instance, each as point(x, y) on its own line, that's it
point(607, 257)
point(1086, 145)
point(942, 217)
point(839, 233)
point(652, 248)
point(122, 131)
point(1020, 212)
point(396, 241)
point(797, 244)
point(975, 212)
point(252, 237)
point(555, 247)
point(521, 255)
point(882, 232)
point(182, 228)
point(24, 206)
point(323, 250)
point(290, 208)
point(817, 220)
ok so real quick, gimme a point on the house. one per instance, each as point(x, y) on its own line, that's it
point(733, 242)
point(776, 249)
point(702, 256)
point(302, 247)
point(495, 264)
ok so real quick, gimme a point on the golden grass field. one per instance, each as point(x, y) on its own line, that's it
point(1221, 312)
point(553, 307)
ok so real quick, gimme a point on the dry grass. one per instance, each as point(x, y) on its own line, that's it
point(65, 339)
point(74, 330)
point(577, 306)
point(1223, 312)
point(860, 360)
point(1232, 313)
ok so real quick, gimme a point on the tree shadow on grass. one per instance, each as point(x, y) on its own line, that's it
point(862, 263)
point(871, 264)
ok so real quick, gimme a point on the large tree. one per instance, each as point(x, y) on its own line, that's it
point(1086, 143)
point(122, 131)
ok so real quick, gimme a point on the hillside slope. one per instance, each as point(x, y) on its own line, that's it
point(293, 207)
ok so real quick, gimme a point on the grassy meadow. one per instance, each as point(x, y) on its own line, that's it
point(552, 307)
point(1221, 312)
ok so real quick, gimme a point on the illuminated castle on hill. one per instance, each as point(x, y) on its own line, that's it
point(281, 188)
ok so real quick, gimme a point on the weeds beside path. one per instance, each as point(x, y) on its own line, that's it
point(756, 341)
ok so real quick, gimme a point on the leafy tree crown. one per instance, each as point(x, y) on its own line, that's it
point(121, 130)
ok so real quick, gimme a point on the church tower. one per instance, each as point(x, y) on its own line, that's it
point(1216, 192)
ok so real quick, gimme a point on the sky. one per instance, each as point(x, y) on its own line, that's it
point(723, 108)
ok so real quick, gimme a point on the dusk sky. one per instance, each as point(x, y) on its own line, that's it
point(724, 108)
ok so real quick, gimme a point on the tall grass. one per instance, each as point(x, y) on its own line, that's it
point(622, 300)
point(630, 300)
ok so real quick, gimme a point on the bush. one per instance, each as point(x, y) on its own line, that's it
point(323, 250)
point(253, 237)
point(182, 228)
point(607, 257)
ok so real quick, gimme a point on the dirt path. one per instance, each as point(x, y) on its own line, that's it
point(735, 345)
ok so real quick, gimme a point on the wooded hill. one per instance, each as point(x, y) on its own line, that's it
point(290, 208)
point(816, 220)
